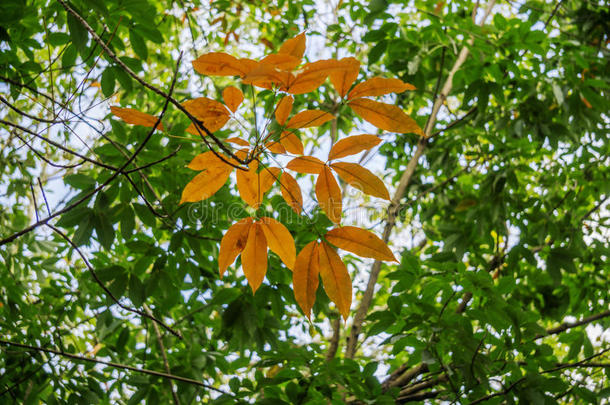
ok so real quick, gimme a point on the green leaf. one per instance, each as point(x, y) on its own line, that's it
point(78, 34)
point(107, 82)
point(138, 44)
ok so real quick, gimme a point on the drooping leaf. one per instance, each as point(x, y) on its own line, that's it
point(328, 194)
point(280, 240)
point(309, 118)
point(353, 145)
point(205, 184)
point(135, 117)
point(378, 86)
point(284, 107)
point(361, 178)
point(342, 80)
point(232, 97)
point(335, 278)
point(305, 277)
point(233, 243)
point(292, 143)
point(306, 164)
point(220, 64)
point(254, 257)
point(294, 46)
point(291, 192)
point(385, 116)
point(253, 185)
point(360, 242)
point(212, 113)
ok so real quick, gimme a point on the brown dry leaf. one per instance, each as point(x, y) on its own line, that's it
point(283, 109)
point(233, 243)
point(309, 118)
point(292, 143)
point(294, 46)
point(232, 97)
point(219, 64)
point(335, 278)
point(306, 164)
point(328, 194)
point(342, 80)
point(378, 86)
point(385, 116)
point(353, 145)
point(254, 257)
point(305, 277)
point(291, 191)
point(212, 113)
point(135, 117)
point(280, 240)
point(206, 183)
point(362, 179)
point(253, 185)
point(360, 242)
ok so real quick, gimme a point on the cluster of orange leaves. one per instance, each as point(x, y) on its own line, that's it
point(251, 237)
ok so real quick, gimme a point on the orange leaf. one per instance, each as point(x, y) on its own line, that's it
point(292, 143)
point(291, 192)
point(212, 113)
point(266, 76)
point(309, 118)
point(335, 278)
point(208, 160)
point(237, 141)
point(135, 117)
point(253, 185)
point(353, 145)
point(232, 243)
point(361, 178)
point(305, 277)
point(275, 147)
point(283, 109)
point(254, 257)
point(361, 242)
point(342, 80)
point(378, 86)
point(232, 97)
point(279, 240)
point(306, 164)
point(281, 61)
point(312, 75)
point(329, 195)
point(294, 46)
point(205, 184)
point(385, 116)
point(219, 64)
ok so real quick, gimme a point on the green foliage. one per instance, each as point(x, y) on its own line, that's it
point(502, 233)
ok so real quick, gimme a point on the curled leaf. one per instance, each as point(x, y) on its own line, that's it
point(360, 242)
point(335, 278)
point(353, 145)
point(328, 194)
point(280, 240)
point(385, 116)
point(305, 277)
point(135, 117)
point(378, 86)
point(361, 178)
point(233, 243)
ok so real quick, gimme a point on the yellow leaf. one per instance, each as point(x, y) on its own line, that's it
point(212, 113)
point(309, 118)
point(205, 184)
point(306, 164)
point(281, 61)
point(135, 117)
point(335, 278)
point(233, 243)
point(280, 240)
point(208, 160)
point(353, 145)
point(232, 97)
point(237, 141)
point(220, 64)
point(328, 194)
point(294, 46)
point(305, 277)
point(385, 116)
point(254, 257)
point(275, 147)
point(342, 80)
point(253, 185)
point(292, 143)
point(360, 242)
point(284, 107)
point(291, 192)
point(378, 86)
point(361, 178)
